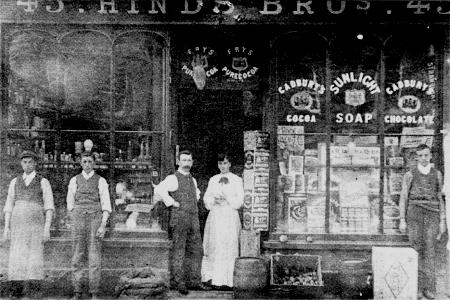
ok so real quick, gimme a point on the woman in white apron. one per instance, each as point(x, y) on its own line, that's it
point(223, 197)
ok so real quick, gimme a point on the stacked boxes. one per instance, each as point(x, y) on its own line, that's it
point(256, 180)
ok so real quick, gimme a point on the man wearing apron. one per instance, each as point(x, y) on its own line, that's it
point(29, 198)
point(187, 248)
point(89, 206)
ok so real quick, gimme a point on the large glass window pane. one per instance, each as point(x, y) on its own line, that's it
point(138, 71)
point(85, 64)
point(300, 80)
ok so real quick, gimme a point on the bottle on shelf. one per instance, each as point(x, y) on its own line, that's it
point(8, 148)
point(141, 154)
point(120, 158)
point(129, 152)
point(42, 150)
point(36, 147)
point(147, 150)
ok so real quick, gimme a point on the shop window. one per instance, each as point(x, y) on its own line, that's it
point(83, 85)
point(334, 171)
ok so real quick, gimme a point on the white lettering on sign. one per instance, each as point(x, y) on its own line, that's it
point(335, 12)
point(301, 118)
point(397, 119)
point(103, 5)
point(266, 10)
point(56, 10)
point(408, 83)
point(161, 5)
point(190, 72)
point(306, 83)
point(306, 6)
point(345, 78)
point(351, 118)
point(268, 7)
point(240, 76)
point(31, 5)
point(133, 7)
point(186, 10)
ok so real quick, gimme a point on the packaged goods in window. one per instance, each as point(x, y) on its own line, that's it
point(311, 166)
point(297, 213)
point(261, 198)
point(260, 219)
point(295, 164)
point(316, 219)
point(289, 183)
point(414, 136)
point(355, 219)
point(300, 183)
point(261, 160)
point(296, 270)
point(395, 183)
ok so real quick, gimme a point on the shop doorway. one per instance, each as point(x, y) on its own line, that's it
point(212, 122)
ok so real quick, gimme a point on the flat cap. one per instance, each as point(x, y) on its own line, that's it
point(28, 153)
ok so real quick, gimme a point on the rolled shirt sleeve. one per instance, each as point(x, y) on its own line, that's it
point(71, 194)
point(169, 184)
point(9, 205)
point(105, 199)
point(47, 195)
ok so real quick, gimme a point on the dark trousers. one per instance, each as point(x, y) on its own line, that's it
point(85, 243)
point(187, 249)
point(423, 229)
point(29, 288)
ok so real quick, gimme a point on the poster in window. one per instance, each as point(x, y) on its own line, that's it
point(297, 213)
point(289, 184)
point(395, 184)
point(295, 164)
point(300, 183)
point(414, 136)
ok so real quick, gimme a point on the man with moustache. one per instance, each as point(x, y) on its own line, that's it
point(187, 248)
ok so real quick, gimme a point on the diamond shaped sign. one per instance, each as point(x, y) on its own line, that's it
point(396, 278)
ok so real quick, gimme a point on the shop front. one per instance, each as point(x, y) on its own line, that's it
point(339, 94)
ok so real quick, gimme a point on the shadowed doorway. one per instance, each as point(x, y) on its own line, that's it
point(212, 122)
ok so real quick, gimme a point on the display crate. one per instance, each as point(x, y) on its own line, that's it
point(296, 275)
point(295, 270)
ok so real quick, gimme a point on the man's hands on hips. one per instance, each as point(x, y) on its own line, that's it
point(176, 204)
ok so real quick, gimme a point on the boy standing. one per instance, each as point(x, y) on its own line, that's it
point(89, 205)
point(422, 211)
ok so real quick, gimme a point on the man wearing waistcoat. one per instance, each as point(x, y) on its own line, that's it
point(28, 215)
point(187, 248)
point(89, 206)
point(422, 213)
